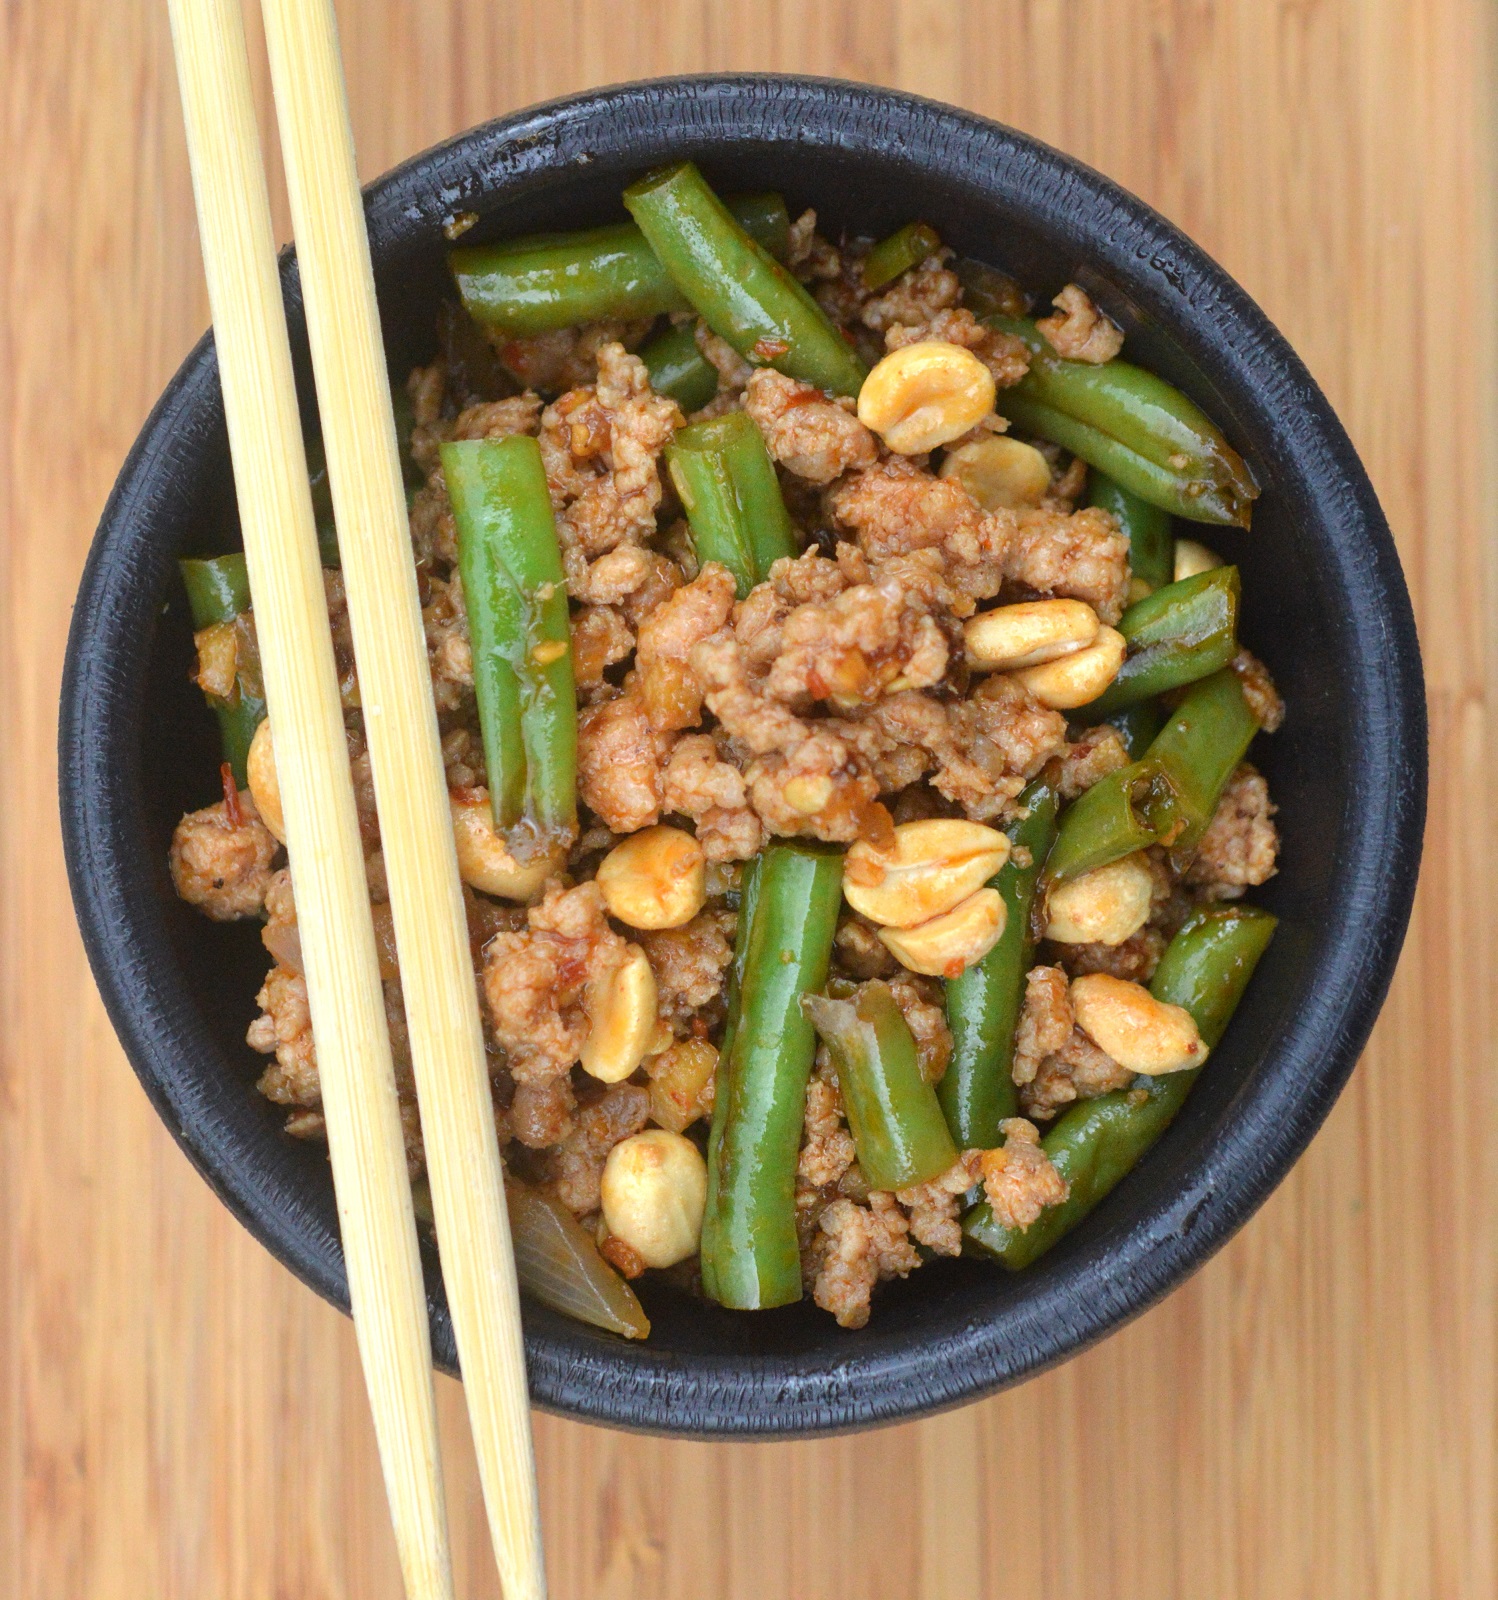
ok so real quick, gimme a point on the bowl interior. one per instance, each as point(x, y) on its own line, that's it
point(1323, 605)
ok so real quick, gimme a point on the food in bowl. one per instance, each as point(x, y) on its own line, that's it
point(846, 759)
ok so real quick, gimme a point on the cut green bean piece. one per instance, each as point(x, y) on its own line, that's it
point(1138, 724)
point(1096, 1143)
point(516, 597)
point(1198, 750)
point(556, 280)
point(893, 1114)
point(743, 294)
point(728, 488)
point(750, 1257)
point(679, 369)
point(1115, 817)
point(1178, 634)
point(905, 248)
point(983, 1004)
point(218, 594)
point(1152, 545)
point(1133, 426)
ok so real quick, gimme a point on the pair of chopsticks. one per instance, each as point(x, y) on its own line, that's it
point(337, 934)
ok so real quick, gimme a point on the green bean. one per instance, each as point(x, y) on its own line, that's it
point(679, 369)
point(1147, 528)
point(905, 248)
point(983, 1003)
point(743, 294)
point(556, 280)
point(1198, 749)
point(517, 618)
point(987, 292)
point(731, 496)
point(893, 1114)
point(1176, 635)
point(1096, 1143)
point(749, 1251)
point(218, 592)
point(1138, 724)
point(1116, 816)
point(1133, 426)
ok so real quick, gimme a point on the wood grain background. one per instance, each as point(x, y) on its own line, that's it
point(1315, 1412)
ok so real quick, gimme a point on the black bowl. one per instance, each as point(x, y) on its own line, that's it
point(1325, 605)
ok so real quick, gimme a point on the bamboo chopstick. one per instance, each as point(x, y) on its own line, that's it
point(301, 685)
point(452, 1076)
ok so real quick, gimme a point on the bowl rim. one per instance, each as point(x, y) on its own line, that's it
point(1114, 1280)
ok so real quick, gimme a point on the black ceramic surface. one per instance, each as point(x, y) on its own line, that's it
point(1325, 605)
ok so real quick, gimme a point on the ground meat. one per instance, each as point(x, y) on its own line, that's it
point(1259, 690)
point(1019, 1181)
point(733, 371)
point(1068, 481)
point(541, 1113)
point(449, 653)
point(862, 1245)
point(811, 435)
point(921, 1004)
point(1090, 758)
point(934, 1206)
point(577, 1167)
point(699, 784)
point(915, 298)
point(1080, 331)
point(1241, 844)
point(1135, 959)
point(534, 981)
point(849, 650)
point(690, 964)
point(619, 762)
point(923, 304)
point(567, 358)
point(601, 445)
point(859, 951)
point(284, 1029)
point(499, 419)
point(827, 1148)
point(1082, 556)
point(1078, 1070)
point(898, 506)
point(811, 257)
point(670, 690)
point(600, 637)
point(980, 752)
point(1045, 1021)
point(434, 533)
point(220, 858)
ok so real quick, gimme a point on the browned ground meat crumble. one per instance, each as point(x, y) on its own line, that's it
point(831, 702)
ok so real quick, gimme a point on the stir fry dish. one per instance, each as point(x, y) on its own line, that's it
point(847, 753)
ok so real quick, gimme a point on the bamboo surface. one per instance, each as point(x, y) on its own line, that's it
point(366, 1142)
point(1313, 1414)
point(400, 722)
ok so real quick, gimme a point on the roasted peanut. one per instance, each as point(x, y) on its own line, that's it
point(1104, 906)
point(949, 944)
point(1192, 558)
point(264, 785)
point(656, 878)
point(620, 1006)
point(1140, 1032)
point(934, 865)
point(924, 395)
point(1000, 473)
point(1010, 638)
point(484, 862)
point(654, 1190)
point(1073, 680)
point(681, 1084)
